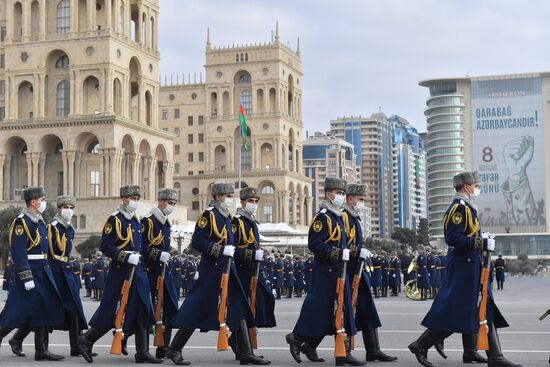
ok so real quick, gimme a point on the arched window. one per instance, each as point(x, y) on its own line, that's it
point(63, 98)
point(268, 190)
point(63, 16)
point(246, 101)
point(62, 62)
point(93, 147)
point(245, 78)
point(82, 222)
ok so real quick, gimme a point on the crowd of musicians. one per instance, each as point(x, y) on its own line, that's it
point(232, 286)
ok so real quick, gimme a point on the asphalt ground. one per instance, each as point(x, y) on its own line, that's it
point(526, 341)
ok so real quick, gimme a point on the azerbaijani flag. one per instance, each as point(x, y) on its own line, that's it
point(244, 129)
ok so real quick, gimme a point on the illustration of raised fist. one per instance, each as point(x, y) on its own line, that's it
point(518, 153)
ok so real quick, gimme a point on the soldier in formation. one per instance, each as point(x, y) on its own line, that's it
point(394, 273)
point(500, 263)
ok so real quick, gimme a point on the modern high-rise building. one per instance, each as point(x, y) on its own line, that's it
point(372, 139)
point(266, 80)
point(497, 126)
point(409, 174)
point(78, 102)
point(328, 156)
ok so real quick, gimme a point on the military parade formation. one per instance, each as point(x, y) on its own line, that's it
point(232, 285)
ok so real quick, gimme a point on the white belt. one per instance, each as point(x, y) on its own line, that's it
point(38, 257)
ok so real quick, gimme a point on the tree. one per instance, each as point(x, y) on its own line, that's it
point(6, 218)
point(405, 236)
point(89, 246)
point(423, 231)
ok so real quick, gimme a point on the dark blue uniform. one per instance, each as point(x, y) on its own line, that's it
point(155, 238)
point(435, 277)
point(499, 267)
point(199, 310)
point(299, 284)
point(61, 243)
point(405, 262)
point(75, 266)
point(288, 273)
point(443, 269)
point(278, 276)
point(459, 297)
point(308, 270)
point(120, 235)
point(87, 269)
point(423, 275)
point(394, 270)
point(247, 240)
point(376, 275)
point(41, 306)
point(175, 270)
point(327, 240)
point(268, 271)
point(190, 272)
point(384, 266)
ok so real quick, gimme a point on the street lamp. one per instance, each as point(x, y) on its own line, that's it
point(179, 237)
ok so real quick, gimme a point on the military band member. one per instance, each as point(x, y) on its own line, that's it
point(376, 275)
point(394, 273)
point(405, 262)
point(87, 276)
point(327, 241)
point(366, 315)
point(308, 270)
point(500, 263)
point(466, 241)
point(247, 256)
point(190, 272)
point(278, 276)
point(423, 275)
point(299, 269)
point(442, 255)
point(384, 266)
point(213, 237)
point(121, 241)
point(175, 270)
point(268, 271)
point(76, 268)
point(34, 302)
point(435, 278)
point(155, 249)
point(288, 271)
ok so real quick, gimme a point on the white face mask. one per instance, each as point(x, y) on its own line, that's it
point(227, 203)
point(251, 208)
point(67, 214)
point(338, 200)
point(42, 207)
point(132, 206)
point(476, 193)
point(169, 209)
point(360, 206)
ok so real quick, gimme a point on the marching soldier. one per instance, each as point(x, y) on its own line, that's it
point(327, 240)
point(289, 277)
point(405, 262)
point(422, 273)
point(213, 237)
point(384, 265)
point(278, 276)
point(394, 273)
point(435, 278)
point(299, 269)
point(366, 315)
point(247, 256)
point(99, 276)
point(465, 240)
point(429, 267)
point(75, 266)
point(121, 241)
point(308, 269)
point(268, 269)
point(499, 266)
point(175, 270)
point(190, 272)
point(87, 276)
point(155, 247)
point(442, 267)
point(34, 302)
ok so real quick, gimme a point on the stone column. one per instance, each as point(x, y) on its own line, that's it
point(108, 91)
point(169, 174)
point(42, 97)
point(28, 157)
point(285, 207)
point(127, 16)
point(2, 160)
point(308, 210)
point(116, 12)
point(135, 160)
point(72, 93)
point(8, 98)
point(155, 32)
point(152, 166)
point(26, 21)
point(145, 26)
point(35, 169)
point(71, 155)
point(102, 189)
point(141, 101)
point(78, 160)
point(42, 169)
point(108, 14)
point(74, 17)
point(300, 205)
point(7, 176)
point(9, 21)
point(138, 24)
point(90, 15)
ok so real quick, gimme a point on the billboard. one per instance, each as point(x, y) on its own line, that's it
point(508, 153)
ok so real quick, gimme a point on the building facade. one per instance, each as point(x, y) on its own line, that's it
point(372, 140)
point(494, 125)
point(79, 96)
point(327, 156)
point(266, 79)
point(409, 174)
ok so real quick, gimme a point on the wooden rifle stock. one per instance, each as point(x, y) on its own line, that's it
point(253, 288)
point(340, 346)
point(159, 327)
point(482, 336)
point(116, 346)
point(355, 293)
point(223, 343)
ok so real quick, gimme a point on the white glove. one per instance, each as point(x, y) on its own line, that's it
point(485, 235)
point(133, 259)
point(345, 255)
point(364, 253)
point(490, 244)
point(229, 250)
point(29, 285)
point(393, 275)
point(259, 256)
point(164, 257)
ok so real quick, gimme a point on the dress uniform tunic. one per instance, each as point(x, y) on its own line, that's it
point(422, 270)
point(75, 265)
point(175, 270)
point(299, 269)
point(190, 272)
point(499, 266)
point(394, 272)
point(278, 268)
point(376, 276)
point(308, 270)
point(87, 275)
point(455, 307)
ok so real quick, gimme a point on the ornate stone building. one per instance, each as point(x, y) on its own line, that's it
point(79, 103)
point(266, 79)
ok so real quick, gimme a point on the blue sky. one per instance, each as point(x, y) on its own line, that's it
point(362, 55)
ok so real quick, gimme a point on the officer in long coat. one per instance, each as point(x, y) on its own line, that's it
point(248, 256)
point(443, 266)
point(278, 276)
point(99, 277)
point(366, 315)
point(423, 275)
point(288, 271)
point(308, 270)
point(299, 269)
point(384, 270)
point(268, 271)
point(327, 240)
point(376, 275)
point(466, 241)
point(405, 262)
point(87, 276)
point(435, 278)
point(190, 272)
point(499, 267)
point(77, 271)
point(155, 249)
point(394, 273)
point(121, 241)
point(214, 238)
point(34, 302)
point(175, 271)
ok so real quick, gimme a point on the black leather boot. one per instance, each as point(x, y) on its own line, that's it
point(41, 353)
point(295, 343)
point(246, 353)
point(421, 346)
point(494, 354)
point(470, 354)
point(4, 331)
point(16, 341)
point(372, 345)
point(142, 346)
point(439, 345)
point(161, 351)
point(174, 351)
point(348, 360)
point(309, 348)
point(87, 341)
point(232, 341)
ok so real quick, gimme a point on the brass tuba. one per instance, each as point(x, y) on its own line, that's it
point(411, 288)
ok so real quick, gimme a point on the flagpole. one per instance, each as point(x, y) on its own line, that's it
point(240, 154)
